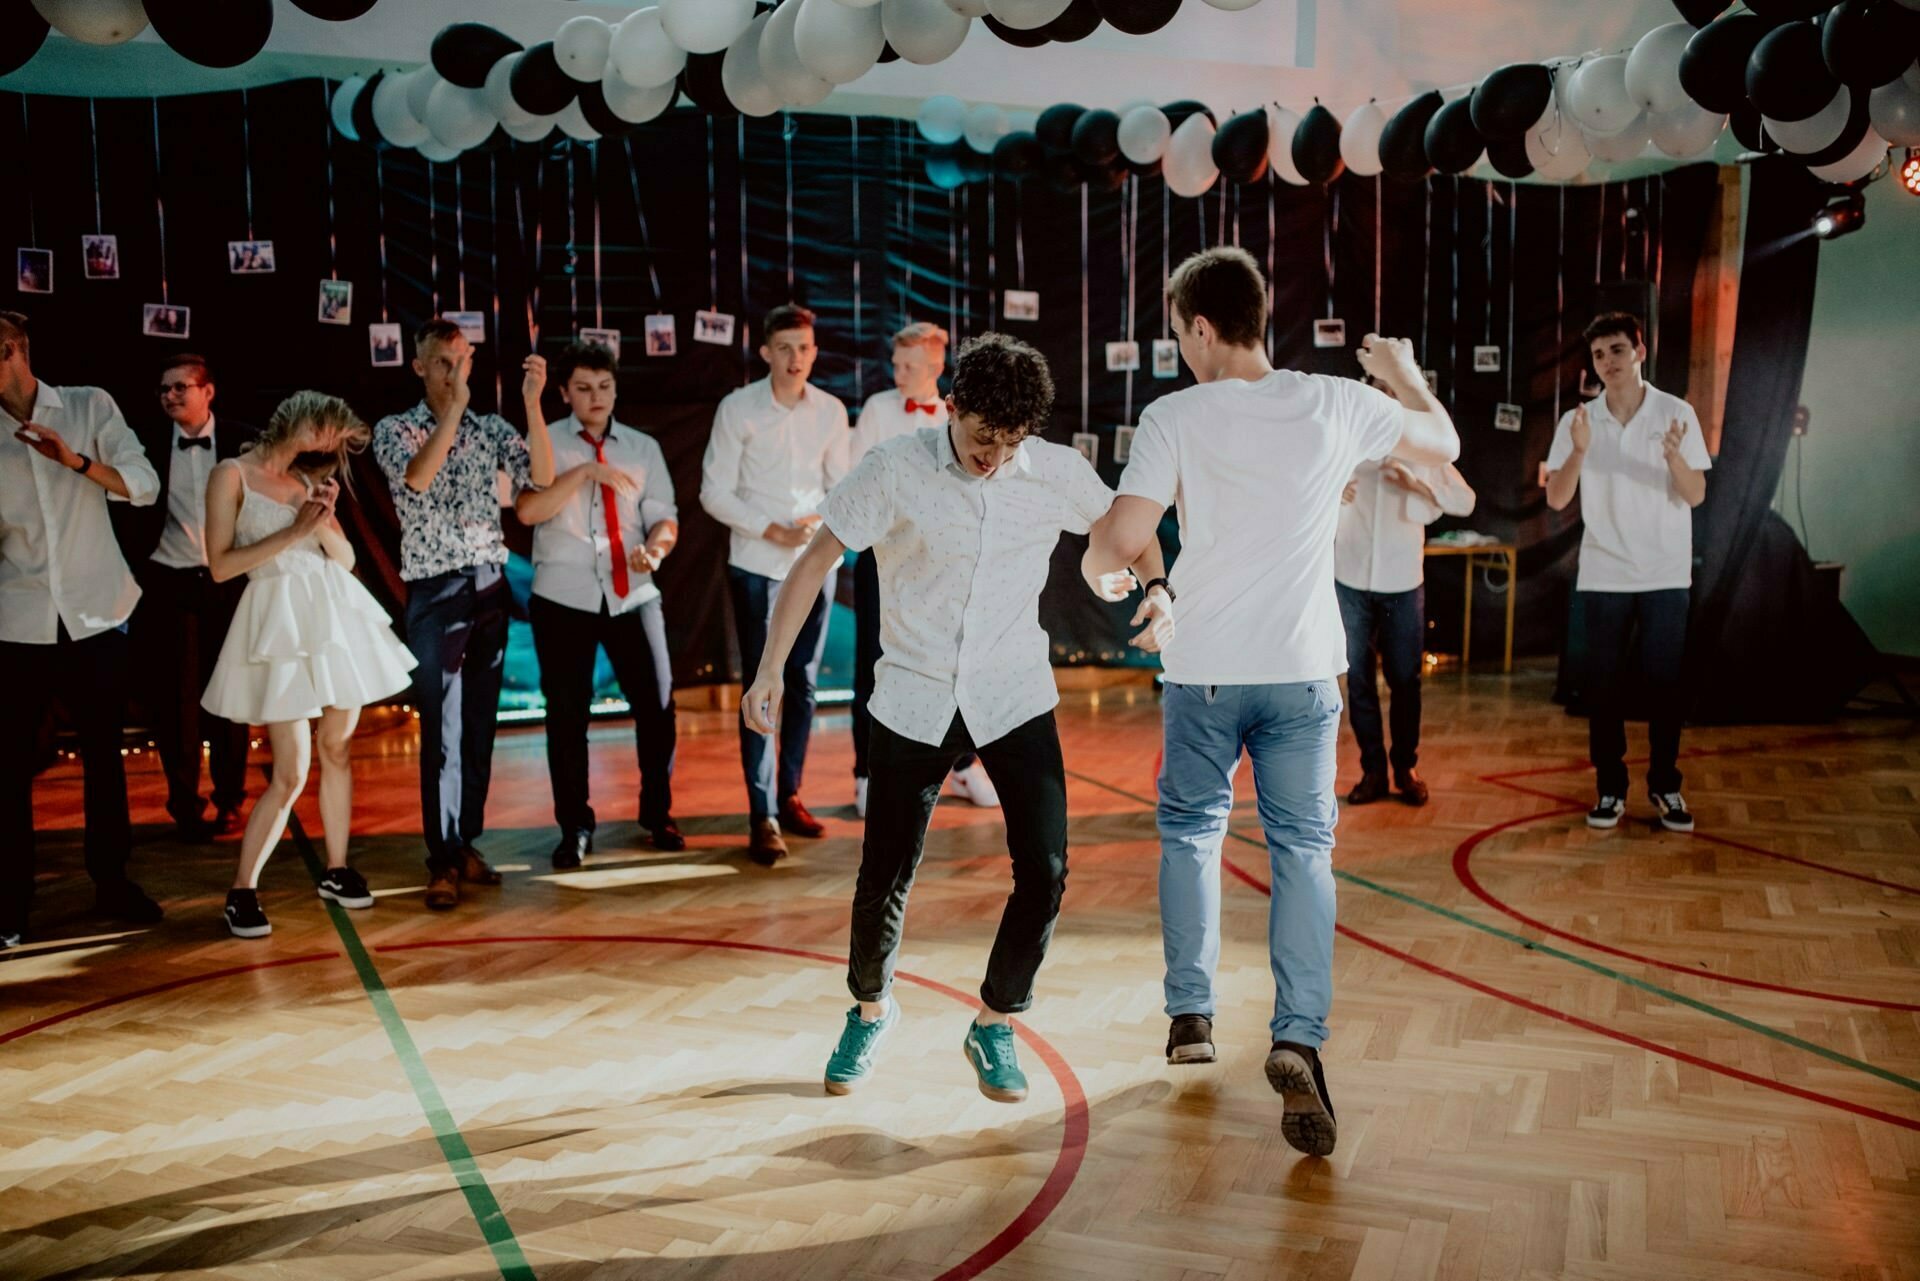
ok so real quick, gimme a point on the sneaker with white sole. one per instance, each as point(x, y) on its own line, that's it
point(860, 797)
point(989, 1050)
point(1674, 814)
point(852, 1059)
point(244, 917)
point(972, 784)
point(346, 887)
point(1608, 812)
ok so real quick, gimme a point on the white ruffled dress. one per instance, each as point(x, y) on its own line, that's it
point(305, 636)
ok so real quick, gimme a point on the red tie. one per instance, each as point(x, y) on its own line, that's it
point(926, 408)
point(607, 505)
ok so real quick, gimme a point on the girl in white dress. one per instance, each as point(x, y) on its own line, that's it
point(307, 639)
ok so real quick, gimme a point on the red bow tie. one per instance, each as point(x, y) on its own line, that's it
point(926, 408)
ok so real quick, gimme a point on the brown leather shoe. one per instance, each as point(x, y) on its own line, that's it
point(795, 821)
point(1370, 788)
point(766, 848)
point(475, 870)
point(443, 891)
point(1412, 788)
point(667, 836)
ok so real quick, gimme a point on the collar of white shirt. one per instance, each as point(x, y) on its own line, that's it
point(181, 433)
point(944, 454)
point(809, 396)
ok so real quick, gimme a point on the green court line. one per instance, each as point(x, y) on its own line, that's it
point(466, 1172)
point(1545, 949)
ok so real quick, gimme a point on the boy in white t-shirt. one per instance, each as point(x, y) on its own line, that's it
point(1638, 460)
point(1255, 459)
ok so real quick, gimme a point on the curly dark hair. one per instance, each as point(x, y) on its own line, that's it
point(1005, 384)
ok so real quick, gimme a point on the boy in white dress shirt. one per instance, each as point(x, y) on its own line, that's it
point(599, 532)
point(919, 358)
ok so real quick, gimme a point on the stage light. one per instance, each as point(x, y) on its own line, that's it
point(1910, 172)
point(1845, 213)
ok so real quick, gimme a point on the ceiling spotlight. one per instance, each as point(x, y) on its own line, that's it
point(1845, 212)
point(1910, 172)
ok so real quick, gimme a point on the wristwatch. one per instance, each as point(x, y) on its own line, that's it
point(86, 465)
point(1164, 585)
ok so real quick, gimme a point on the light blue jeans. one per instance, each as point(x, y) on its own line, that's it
point(1290, 732)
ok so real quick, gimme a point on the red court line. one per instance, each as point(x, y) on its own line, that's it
point(1575, 1020)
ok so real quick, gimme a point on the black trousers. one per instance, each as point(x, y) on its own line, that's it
point(866, 652)
point(1028, 772)
point(457, 630)
point(1654, 623)
point(1388, 627)
point(177, 633)
point(90, 677)
point(636, 643)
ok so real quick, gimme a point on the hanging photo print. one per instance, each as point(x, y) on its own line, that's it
point(662, 340)
point(336, 302)
point(1089, 446)
point(164, 320)
point(100, 257)
point(473, 324)
point(249, 257)
point(1123, 357)
point(1166, 358)
point(1329, 333)
point(35, 271)
point(383, 345)
point(714, 327)
point(1506, 417)
point(1021, 304)
point(1122, 444)
point(1486, 360)
point(608, 338)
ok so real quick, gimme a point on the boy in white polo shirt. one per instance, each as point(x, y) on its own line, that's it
point(1638, 460)
point(1255, 459)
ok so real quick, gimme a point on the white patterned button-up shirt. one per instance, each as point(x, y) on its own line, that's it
point(455, 522)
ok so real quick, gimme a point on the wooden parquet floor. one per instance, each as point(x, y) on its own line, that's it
point(1555, 1052)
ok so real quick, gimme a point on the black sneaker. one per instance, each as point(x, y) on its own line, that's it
point(1674, 815)
point(1190, 1040)
point(572, 850)
point(124, 901)
point(1607, 813)
point(244, 917)
point(346, 887)
point(1306, 1123)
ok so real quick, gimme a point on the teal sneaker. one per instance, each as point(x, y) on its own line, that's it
point(852, 1059)
point(989, 1048)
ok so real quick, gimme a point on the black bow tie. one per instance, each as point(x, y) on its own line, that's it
point(196, 442)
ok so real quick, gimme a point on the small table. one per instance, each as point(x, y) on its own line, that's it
point(1484, 555)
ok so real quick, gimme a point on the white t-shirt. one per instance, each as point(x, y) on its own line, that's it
point(1639, 530)
point(1256, 470)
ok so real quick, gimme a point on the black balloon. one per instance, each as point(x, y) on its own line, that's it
point(1031, 39)
point(889, 54)
point(1786, 76)
point(1177, 113)
point(1080, 20)
point(1787, 10)
point(335, 10)
point(1055, 127)
point(1744, 120)
point(1104, 177)
point(22, 32)
point(1713, 66)
point(1018, 153)
point(1508, 101)
point(1403, 139)
point(593, 105)
point(1698, 13)
point(465, 52)
point(700, 81)
point(537, 84)
point(1138, 17)
point(1509, 157)
point(1453, 144)
point(943, 166)
point(1063, 174)
point(1316, 146)
point(225, 36)
point(1240, 146)
point(1851, 135)
point(362, 113)
point(1868, 43)
point(1096, 138)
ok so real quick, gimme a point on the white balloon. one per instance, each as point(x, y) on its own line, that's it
point(1653, 68)
point(705, 26)
point(635, 104)
point(573, 122)
point(1686, 131)
point(942, 119)
point(1189, 169)
point(836, 42)
point(344, 99)
point(986, 125)
point(859, 4)
point(1618, 148)
point(780, 63)
point(1233, 6)
point(740, 75)
point(499, 94)
point(457, 117)
point(1556, 148)
point(968, 8)
point(439, 152)
point(1895, 112)
point(396, 123)
point(1856, 164)
point(1282, 124)
point(642, 53)
point(581, 47)
point(95, 21)
point(1911, 75)
point(1144, 133)
point(923, 31)
point(1597, 95)
point(1360, 139)
point(1818, 131)
point(420, 82)
point(532, 130)
point(1025, 15)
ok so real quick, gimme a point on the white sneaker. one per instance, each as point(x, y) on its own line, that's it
point(860, 797)
point(972, 784)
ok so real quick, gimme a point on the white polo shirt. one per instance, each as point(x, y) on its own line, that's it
point(1256, 470)
point(767, 464)
point(885, 415)
point(573, 552)
point(962, 561)
point(59, 562)
point(1380, 545)
point(1639, 530)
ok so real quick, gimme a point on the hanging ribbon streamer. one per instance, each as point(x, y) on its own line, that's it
point(1331, 229)
point(593, 174)
point(1426, 271)
point(1130, 249)
point(1379, 235)
point(646, 237)
point(1659, 260)
point(953, 269)
point(26, 147)
point(1273, 290)
point(1200, 217)
point(907, 229)
point(966, 261)
point(1453, 315)
point(1560, 305)
point(333, 242)
point(573, 250)
point(787, 129)
point(1220, 214)
point(1487, 340)
point(1627, 209)
point(1019, 238)
point(859, 337)
point(380, 217)
point(460, 241)
point(1236, 214)
point(1600, 234)
point(713, 232)
point(993, 255)
point(93, 142)
point(246, 157)
point(539, 244)
point(159, 197)
point(1513, 243)
point(741, 327)
point(1166, 257)
point(1085, 313)
point(493, 272)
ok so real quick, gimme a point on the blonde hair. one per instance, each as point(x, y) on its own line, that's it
point(322, 410)
point(922, 333)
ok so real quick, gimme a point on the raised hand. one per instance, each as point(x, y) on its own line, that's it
point(535, 379)
point(1351, 492)
point(1389, 359)
point(462, 389)
point(1581, 429)
point(1670, 442)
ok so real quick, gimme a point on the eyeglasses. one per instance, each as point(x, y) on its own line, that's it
point(167, 389)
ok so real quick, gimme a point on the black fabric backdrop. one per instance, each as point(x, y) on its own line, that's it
point(837, 212)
